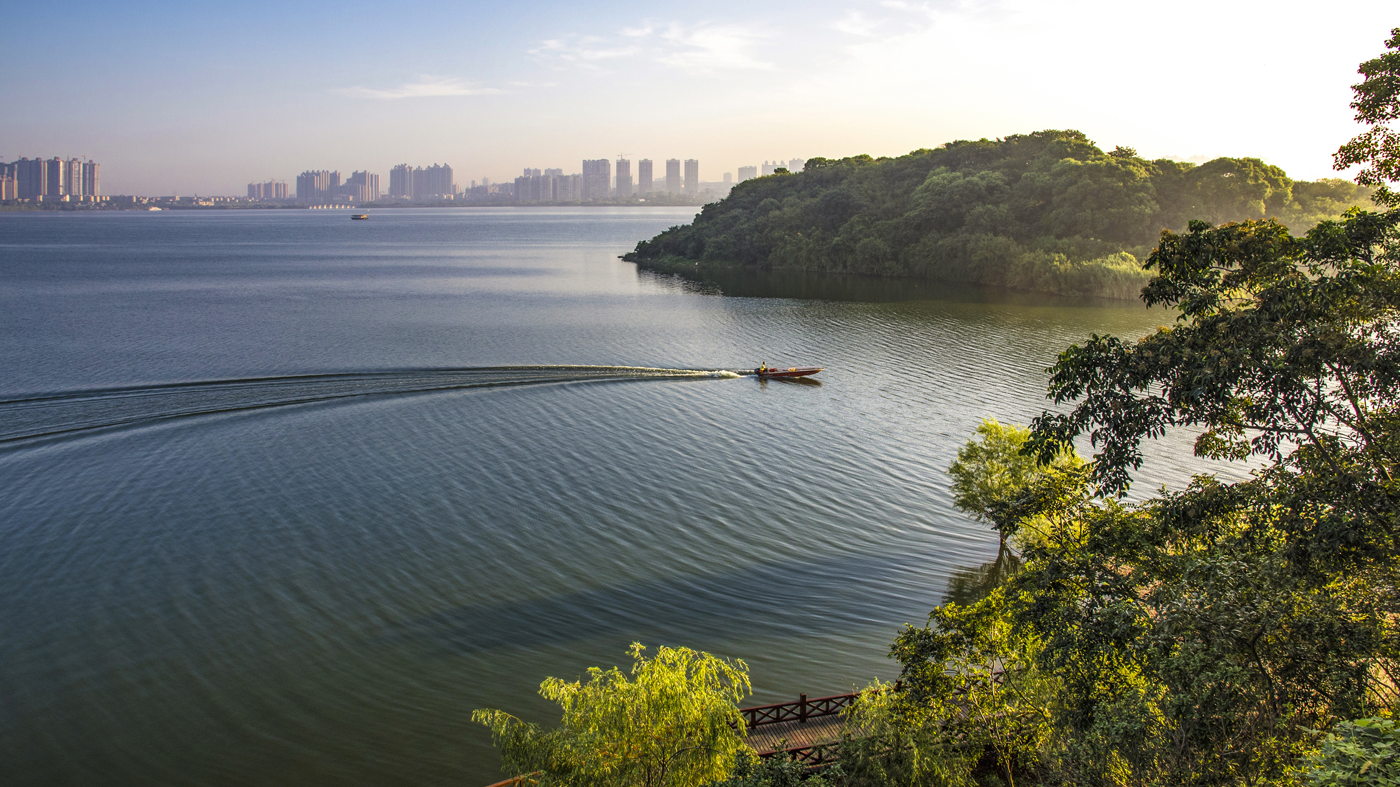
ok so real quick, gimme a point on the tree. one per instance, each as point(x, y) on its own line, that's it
point(1377, 104)
point(992, 471)
point(1285, 348)
point(1201, 636)
point(674, 720)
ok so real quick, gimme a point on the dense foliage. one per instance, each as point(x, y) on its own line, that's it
point(1361, 753)
point(673, 720)
point(1046, 211)
point(1203, 636)
point(1377, 105)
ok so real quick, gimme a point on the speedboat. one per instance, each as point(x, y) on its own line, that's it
point(791, 371)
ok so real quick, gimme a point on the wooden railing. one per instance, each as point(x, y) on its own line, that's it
point(799, 711)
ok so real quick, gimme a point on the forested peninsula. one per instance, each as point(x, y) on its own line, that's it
point(1047, 211)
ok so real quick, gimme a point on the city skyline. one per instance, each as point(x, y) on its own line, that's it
point(176, 99)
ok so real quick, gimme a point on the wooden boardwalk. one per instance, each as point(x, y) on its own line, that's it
point(773, 738)
point(804, 730)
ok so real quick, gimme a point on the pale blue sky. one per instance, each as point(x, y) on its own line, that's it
point(203, 97)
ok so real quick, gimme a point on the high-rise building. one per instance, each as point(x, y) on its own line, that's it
point(568, 188)
point(272, 189)
point(361, 187)
point(533, 187)
point(58, 177)
point(768, 168)
point(9, 181)
point(747, 173)
point(73, 177)
point(435, 182)
point(796, 164)
point(401, 181)
point(692, 176)
point(32, 178)
point(673, 176)
point(597, 178)
point(624, 178)
point(729, 177)
point(552, 186)
point(644, 177)
point(318, 187)
point(92, 180)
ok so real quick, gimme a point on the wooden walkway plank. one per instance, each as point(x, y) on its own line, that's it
point(766, 739)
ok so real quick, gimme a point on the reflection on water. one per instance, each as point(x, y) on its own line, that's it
point(779, 598)
point(850, 287)
point(969, 585)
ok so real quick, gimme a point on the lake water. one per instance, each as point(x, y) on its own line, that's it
point(284, 497)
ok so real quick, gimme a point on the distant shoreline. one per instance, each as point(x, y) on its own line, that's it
point(164, 206)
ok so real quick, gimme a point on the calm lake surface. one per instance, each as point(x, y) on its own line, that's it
point(284, 497)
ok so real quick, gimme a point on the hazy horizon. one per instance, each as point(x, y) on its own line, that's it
point(172, 98)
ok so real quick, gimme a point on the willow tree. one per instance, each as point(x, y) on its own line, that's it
point(672, 720)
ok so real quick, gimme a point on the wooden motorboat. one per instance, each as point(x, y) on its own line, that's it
point(360, 216)
point(791, 371)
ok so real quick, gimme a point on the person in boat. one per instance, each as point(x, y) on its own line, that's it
point(762, 368)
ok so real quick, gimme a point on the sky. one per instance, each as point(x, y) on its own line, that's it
point(202, 97)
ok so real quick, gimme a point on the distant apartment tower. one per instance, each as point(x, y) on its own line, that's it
point(644, 177)
point(534, 187)
point(729, 177)
point(624, 178)
point(796, 164)
point(272, 189)
point(401, 182)
point(318, 186)
point(673, 176)
point(597, 177)
point(550, 185)
point(92, 179)
point(361, 187)
point(568, 188)
point(31, 177)
point(73, 177)
point(435, 182)
point(58, 177)
point(9, 181)
point(747, 173)
point(692, 176)
point(768, 168)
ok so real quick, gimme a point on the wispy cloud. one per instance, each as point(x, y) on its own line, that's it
point(856, 24)
point(699, 49)
point(586, 52)
point(426, 86)
point(708, 49)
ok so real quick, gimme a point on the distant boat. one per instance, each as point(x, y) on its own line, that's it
point(359, 216)
point(152, 208)
point(792, 371)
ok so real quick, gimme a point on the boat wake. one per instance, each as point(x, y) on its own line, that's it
point(67, 413)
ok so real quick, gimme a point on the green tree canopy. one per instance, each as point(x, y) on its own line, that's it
point(1199, 637)
point(672, 720)
point(991, 472)
point(1045, 211)
point(1377, 105)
